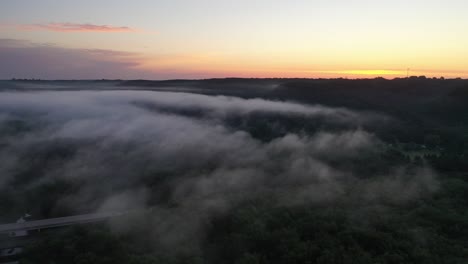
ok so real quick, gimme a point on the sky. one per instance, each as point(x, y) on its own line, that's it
point(169, 39)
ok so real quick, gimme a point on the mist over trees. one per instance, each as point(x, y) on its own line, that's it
point(240, 170)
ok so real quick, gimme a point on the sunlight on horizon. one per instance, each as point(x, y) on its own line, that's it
point(179, 39)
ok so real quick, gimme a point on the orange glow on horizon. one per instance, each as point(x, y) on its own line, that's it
point(213, 67)
point(265, 65)
point(368, 72)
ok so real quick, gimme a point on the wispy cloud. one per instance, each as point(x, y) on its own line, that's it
point(75, 27)
point(29, 59)
point(25, 59)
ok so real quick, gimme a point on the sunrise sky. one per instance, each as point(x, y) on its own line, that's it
point(151, 39)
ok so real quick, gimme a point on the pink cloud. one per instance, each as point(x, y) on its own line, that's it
point(27, 59)
point(74, 27)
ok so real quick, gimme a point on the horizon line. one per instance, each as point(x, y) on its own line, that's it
point(239, 78)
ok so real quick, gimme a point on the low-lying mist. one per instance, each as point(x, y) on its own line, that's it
point(190, 157)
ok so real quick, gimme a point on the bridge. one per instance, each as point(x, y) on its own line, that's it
point(17, 232)
point(56, 222)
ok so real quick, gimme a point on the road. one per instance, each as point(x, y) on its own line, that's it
point(56, 222)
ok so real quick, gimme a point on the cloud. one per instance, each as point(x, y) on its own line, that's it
point(155, 138)
point(75, 27)
point(123, 154)
point(25, 59)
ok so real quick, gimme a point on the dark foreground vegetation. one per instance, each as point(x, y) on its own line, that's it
point(366, 214)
